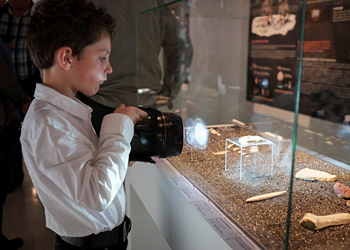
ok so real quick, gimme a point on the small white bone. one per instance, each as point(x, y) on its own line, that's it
point(265, 196)
point(315, 222)
point(219, 153)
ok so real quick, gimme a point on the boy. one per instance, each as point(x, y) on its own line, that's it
point(78, 176)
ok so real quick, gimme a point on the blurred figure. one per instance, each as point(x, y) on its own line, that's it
point(156, 82)
point(14, 19)
point(11, 96)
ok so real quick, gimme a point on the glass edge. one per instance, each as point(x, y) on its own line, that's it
point(295, 130)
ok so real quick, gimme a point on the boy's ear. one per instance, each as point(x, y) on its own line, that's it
point(64, 57)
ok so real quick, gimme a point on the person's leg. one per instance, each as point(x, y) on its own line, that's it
point(17, 174)
point(3, 180)
point(28, 86)
point(8, 144)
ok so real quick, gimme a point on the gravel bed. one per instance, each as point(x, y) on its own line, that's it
point(265, 221)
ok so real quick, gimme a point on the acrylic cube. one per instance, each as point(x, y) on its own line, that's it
point(248, 157)
point(282, 150)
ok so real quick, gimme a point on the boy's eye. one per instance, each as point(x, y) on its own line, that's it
point(102, 59)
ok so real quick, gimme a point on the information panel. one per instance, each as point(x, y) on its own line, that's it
point(273, 56)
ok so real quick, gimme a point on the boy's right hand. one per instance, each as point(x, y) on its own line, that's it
point(134, 113)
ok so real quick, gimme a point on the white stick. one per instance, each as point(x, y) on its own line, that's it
point(265, 196)
point(314, 222)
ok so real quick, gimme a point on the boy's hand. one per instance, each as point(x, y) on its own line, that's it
point(134, 113)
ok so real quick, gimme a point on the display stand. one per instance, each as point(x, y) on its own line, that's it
point(255, 158)
point(167, 212)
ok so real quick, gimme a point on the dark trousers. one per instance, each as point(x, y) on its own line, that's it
point(62, 245)
point(17, 174)
point(118, 239)
point(8, 148)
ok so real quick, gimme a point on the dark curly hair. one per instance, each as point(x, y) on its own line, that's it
point(58, 23)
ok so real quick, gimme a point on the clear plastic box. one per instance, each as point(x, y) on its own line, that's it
point(282, 150)
point(249, 157)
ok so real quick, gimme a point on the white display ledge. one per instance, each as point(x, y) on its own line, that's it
point(167, 212)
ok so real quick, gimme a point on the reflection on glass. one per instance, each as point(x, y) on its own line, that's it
point(197, 133)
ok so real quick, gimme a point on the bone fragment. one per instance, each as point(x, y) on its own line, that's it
point(213, 131)
point(238, 122)
point(265, 196)
point(314, 222)
point(314, 175)
point(341, 190)
point(219, 153)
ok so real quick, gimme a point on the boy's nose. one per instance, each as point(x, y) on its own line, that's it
point(109, 69)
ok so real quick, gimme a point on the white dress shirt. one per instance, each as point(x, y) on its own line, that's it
point(78, 177)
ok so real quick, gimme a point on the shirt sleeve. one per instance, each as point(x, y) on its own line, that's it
point(67, 160)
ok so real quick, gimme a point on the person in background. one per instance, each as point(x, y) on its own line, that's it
point(78, 176)
point(14, 19)
point(157, 82)
point(12, 100)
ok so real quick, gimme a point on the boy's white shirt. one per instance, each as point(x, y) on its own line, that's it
point(78, 177)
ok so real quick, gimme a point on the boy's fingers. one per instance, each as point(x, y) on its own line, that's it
point(144, 114)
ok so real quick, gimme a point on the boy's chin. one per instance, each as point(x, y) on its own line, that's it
point(91, 93)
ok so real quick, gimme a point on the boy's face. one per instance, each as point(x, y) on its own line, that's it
point(91, 70)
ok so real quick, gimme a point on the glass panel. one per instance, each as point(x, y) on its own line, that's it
point(235, 69)
point(323, 139)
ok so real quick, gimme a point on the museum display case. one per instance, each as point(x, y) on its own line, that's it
point(253, 118)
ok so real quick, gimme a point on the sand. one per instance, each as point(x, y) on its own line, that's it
point(265, 221)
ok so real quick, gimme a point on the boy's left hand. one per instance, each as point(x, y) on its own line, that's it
point(134, 113)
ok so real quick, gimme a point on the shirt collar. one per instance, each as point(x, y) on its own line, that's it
point(72, 106)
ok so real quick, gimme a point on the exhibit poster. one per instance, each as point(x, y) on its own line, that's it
point(274, 56)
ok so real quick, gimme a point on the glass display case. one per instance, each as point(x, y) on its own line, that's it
point(242, 70)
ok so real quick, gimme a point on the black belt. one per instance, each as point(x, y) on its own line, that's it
point(117, 235)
